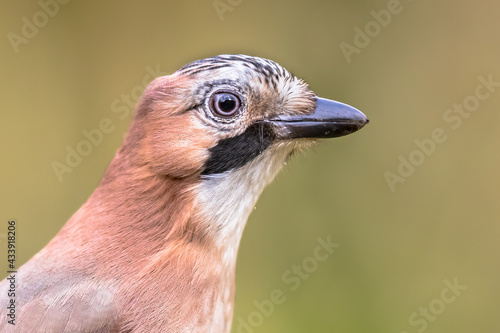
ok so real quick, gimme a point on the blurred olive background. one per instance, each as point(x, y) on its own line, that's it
point(396, 247)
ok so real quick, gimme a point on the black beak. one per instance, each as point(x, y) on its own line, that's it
point(330, 119)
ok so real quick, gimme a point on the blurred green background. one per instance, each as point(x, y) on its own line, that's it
point(397, 245)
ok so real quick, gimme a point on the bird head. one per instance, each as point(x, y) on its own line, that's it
point(231, 122)
point(218, 114)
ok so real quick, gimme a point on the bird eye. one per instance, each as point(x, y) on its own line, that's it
point(225, 103)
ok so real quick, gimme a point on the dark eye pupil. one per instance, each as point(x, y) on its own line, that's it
point(227, 103)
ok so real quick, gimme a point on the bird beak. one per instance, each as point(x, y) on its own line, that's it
point(330, 119)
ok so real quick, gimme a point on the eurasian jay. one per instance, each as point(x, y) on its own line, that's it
point(154, 247)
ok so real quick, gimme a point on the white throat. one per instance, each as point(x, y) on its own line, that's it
point(227, 199)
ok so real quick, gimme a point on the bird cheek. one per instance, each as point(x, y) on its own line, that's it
point(178, 147)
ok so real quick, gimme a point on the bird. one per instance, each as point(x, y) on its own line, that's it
point(154, 247)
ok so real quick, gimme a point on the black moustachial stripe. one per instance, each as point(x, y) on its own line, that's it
point(235, 152)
